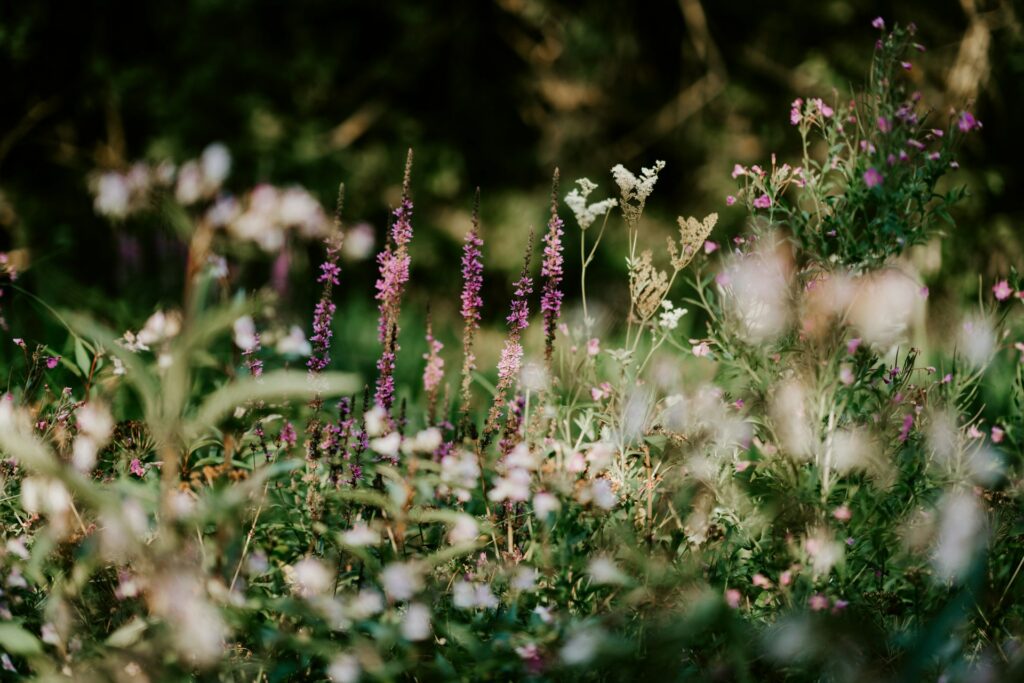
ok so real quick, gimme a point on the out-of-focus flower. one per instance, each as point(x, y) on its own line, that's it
point(416, 622)
point(294, 343)
point(872, 177)
point(1002, 290)
point(401, 580)
point(344, 668)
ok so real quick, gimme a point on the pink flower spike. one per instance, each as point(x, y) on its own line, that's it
point(878, 23)
point(1002, 290)
point(710, 247)
point(884, 124)
point(51, 362)
point(908, 423)
point(730, 200)
point(763, 202)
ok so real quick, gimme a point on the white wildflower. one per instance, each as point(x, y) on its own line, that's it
point(401, 580)
point(416, 622)
point(294, 343)
point(344, 668)
point(669, 317)
point(586, 214)
point(603, 570)
point(360, 535)
point(245, 333)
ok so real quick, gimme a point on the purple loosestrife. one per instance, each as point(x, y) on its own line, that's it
point(551, 270)
point(323, 313)
point(394, 274)
point(394, 261)
point(433, 372)
point(472, 283)
point(512, 354)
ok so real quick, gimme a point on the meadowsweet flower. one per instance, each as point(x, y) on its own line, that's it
point(361, 535)
point(545, 504)
point(669, 317)
point(1002, 290)
point(872, 177)
point(585, 213)
point(344, 668)
point(604, 571)
point(635, 190)
point(401, 580)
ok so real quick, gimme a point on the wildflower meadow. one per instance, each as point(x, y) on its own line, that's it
point(630, 452)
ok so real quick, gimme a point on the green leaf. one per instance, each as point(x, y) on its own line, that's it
point(18, 641)
point(82, 357)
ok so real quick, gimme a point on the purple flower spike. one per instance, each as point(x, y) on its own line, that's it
point(551, 269)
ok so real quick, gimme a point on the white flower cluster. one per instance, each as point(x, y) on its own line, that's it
point(635, 189)
point(514, 484)
point(586, 214)
point(118, 194)
point(266, 214)
point(669, 318)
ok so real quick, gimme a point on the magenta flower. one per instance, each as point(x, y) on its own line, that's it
point(730, 200)
point(394, 261)
point(967, 122)
point(872, 177)
point(738, 170)
point(853, 345)
point(907, 66)
point(794, 113)
point(551, 269)
point(51, 361)
point(884, 124)
point(879, 23)
point(763, 202)
point(908, 423)
point(710, 247)
point(1002, 290)
point(136, 468)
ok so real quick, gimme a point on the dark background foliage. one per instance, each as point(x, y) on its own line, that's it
point(493, 94)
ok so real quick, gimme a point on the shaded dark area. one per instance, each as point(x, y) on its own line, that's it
point(493, 94)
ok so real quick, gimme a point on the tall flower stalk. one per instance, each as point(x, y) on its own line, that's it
point(551, 270)
point(394, 274)
point(512, 354)
point(433, 372)
point(472, 283)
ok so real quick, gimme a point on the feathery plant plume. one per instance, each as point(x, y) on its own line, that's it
point(551, 269)
point(512, 354)
point(472, 282)
point(433, 372)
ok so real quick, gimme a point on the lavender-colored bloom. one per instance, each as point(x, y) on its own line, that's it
point(879, 23)
point(762, 202)
point(872, 177)
point(384, 395)
point(551, 269)
point(884, 124)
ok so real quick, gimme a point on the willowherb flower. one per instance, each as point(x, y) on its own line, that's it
point(872, 177)
point(551, 270)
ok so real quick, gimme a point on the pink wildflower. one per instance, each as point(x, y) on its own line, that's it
point(730, 200)
point(818, 602)
point(1002, 290)
point(879, 23)
point(738, 170)
point(967, 122)
point(997, 434)
point(51, 361)
point(732, 598)
point(763, 202)
point(853, 345)
point(872, 177)
point(136, 468)
point(842, 513)
point(551, 269)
